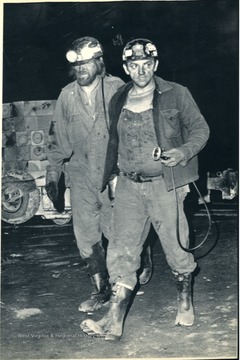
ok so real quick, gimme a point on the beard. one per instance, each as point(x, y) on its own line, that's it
point(85, 79)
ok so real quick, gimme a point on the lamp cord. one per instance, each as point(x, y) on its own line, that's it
point(177, 220)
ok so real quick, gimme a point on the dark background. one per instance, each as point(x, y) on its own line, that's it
point(197, 43)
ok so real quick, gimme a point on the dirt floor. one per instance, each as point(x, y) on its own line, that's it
point(44, 280)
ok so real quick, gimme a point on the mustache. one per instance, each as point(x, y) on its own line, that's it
point(82, 72)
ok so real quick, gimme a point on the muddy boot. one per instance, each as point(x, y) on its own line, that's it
point(147, 266)
point(185, 314)
point(111, 325)
point(100, 296)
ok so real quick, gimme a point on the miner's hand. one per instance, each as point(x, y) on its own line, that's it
point(173, 157)
point(52, 193)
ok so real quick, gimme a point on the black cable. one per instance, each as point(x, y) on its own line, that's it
point(177, 220)
point(104, 106)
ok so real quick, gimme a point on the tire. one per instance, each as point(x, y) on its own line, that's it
point(62, 221)
point(26, 206)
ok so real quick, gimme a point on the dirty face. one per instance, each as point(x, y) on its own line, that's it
point(141, 71)
point(85, 72)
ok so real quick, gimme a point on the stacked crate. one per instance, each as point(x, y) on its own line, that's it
point(25, 128)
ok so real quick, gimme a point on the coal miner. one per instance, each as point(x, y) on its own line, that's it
point(149, 114)
point(79, 134)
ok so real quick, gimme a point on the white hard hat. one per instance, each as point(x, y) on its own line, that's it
point(138, 49)
point(84, 49)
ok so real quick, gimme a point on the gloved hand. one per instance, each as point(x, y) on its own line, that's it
point(52, 192)
point(52, 180)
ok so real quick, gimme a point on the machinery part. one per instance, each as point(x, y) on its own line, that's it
point(62, 221)
point(226, 182)
point(20, 197)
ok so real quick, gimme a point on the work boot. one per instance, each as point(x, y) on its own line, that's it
point(111, 325)
point(100, 296)
point(147, 266)
point(185, 314)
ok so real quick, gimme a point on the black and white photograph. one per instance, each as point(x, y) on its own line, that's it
point(119, 202)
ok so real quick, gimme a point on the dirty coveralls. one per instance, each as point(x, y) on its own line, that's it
point(80, 133)
point(137, 203)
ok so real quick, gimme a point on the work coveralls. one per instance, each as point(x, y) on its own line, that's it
point(174, 122)
point(80, 134)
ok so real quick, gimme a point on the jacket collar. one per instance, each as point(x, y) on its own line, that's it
point(161, 86)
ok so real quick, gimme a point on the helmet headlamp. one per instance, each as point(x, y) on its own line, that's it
point(72, 56)
point(84, 49)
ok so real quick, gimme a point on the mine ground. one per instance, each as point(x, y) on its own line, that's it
point(44, 280)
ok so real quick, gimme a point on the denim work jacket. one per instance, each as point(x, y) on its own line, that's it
point(178, 123)
point(79, 132)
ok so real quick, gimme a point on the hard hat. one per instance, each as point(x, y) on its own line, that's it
point(84, 49)
point(139, 49)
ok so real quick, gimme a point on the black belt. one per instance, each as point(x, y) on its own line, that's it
point(140, 178)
